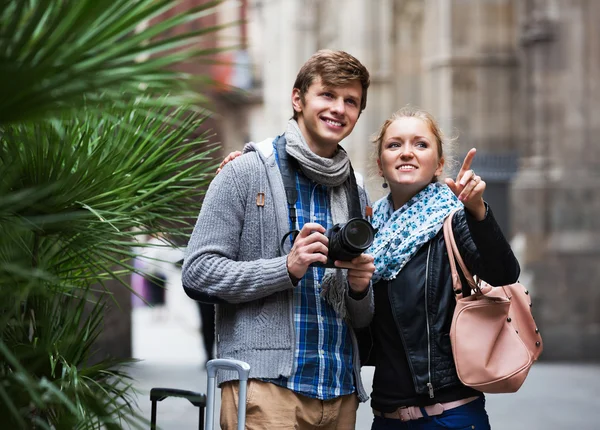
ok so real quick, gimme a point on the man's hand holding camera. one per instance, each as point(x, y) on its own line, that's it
point(360, 271)
point(311, 246)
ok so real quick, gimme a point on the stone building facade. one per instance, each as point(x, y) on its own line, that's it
point(228, 105)
point(556, 192)
point(516, 79)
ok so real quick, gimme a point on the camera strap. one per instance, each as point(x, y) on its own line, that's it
point(289, 166)
point(354, 201)
point(288, 176)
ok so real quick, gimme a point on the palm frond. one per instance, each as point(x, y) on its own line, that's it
point(56, 55)
point(98, 145)
point(135, 172)
point(55, 341)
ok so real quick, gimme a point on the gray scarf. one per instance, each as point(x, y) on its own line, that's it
point(333, 173)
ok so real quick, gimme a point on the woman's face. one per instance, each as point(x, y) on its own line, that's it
point(409, 158)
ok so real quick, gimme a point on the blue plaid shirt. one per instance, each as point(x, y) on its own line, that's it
point(323, 360)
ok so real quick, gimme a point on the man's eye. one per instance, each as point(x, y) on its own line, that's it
point(329, 95)
point(352, 102)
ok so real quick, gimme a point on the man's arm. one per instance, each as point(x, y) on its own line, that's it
point(360, 307)
point(211, 265)
point(359, 299)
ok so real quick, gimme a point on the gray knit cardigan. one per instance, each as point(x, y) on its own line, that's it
point(234, 254)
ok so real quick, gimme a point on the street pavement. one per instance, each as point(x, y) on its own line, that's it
point(554, 397)
point(561, 396)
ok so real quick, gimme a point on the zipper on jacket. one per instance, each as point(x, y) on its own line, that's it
point(410, 364)
point(429, 384)
point(261, 207)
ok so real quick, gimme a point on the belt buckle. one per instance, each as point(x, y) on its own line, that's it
point(402, 412)
point(437, 409)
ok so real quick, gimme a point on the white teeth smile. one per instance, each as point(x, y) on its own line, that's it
point(407, 167)
point(334, 123)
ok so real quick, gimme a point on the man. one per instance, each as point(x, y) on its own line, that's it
point(288, 318)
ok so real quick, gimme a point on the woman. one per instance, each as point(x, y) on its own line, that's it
point(415, 385)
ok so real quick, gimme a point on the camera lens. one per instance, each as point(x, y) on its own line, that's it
point(358, 234)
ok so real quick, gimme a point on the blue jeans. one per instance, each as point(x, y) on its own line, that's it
point(466, 417)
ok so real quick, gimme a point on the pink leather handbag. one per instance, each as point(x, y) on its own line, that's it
point(493, 334)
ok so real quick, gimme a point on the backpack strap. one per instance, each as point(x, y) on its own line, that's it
point(288, 167)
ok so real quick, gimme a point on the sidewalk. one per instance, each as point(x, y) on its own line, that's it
point(554, 397)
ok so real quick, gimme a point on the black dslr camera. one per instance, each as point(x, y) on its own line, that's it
point(348, 240)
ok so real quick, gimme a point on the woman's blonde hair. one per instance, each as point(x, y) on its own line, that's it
point(444, 145)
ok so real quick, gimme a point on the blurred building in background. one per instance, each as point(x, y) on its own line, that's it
point(226, 82)
point(514, 78)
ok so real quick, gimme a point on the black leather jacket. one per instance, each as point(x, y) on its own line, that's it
point(422, 298)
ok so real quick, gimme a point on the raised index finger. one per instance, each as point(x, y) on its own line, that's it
point(468, 160)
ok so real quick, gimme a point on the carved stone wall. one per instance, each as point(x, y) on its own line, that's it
point(115, 339)
point(517, 79)
point(556, 196)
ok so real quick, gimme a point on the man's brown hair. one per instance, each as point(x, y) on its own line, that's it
point(335, 68)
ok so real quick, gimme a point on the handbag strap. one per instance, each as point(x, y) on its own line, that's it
point(454, 257)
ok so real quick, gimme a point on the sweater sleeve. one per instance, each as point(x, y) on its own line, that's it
point(484, 248)
point(360, 309)
point(211, 265)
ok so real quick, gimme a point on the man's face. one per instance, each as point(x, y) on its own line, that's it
point(327, 115)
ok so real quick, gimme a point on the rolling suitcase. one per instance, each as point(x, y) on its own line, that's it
point(243, 370)
point(202, 401)
point(159, 394)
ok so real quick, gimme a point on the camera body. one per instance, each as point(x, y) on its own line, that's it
point(348, 240)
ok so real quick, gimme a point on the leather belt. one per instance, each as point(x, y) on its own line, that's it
point(408, 413)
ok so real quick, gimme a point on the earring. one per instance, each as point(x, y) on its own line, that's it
point(384, 185)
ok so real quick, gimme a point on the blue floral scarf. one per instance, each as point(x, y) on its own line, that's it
point(402, 232)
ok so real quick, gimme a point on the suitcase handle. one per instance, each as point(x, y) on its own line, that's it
point(243, 370)
point(159, 394)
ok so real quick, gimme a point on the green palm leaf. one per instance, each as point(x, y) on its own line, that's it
point(98, 145)
point(143, 172)
point(54, 55)
point(66, 392)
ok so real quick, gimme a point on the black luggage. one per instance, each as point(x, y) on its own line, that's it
point(207, 401)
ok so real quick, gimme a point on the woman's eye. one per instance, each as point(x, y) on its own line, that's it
point(394, 145)
point(422, 144)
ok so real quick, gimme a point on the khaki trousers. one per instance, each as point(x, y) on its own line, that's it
point(272, 407)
